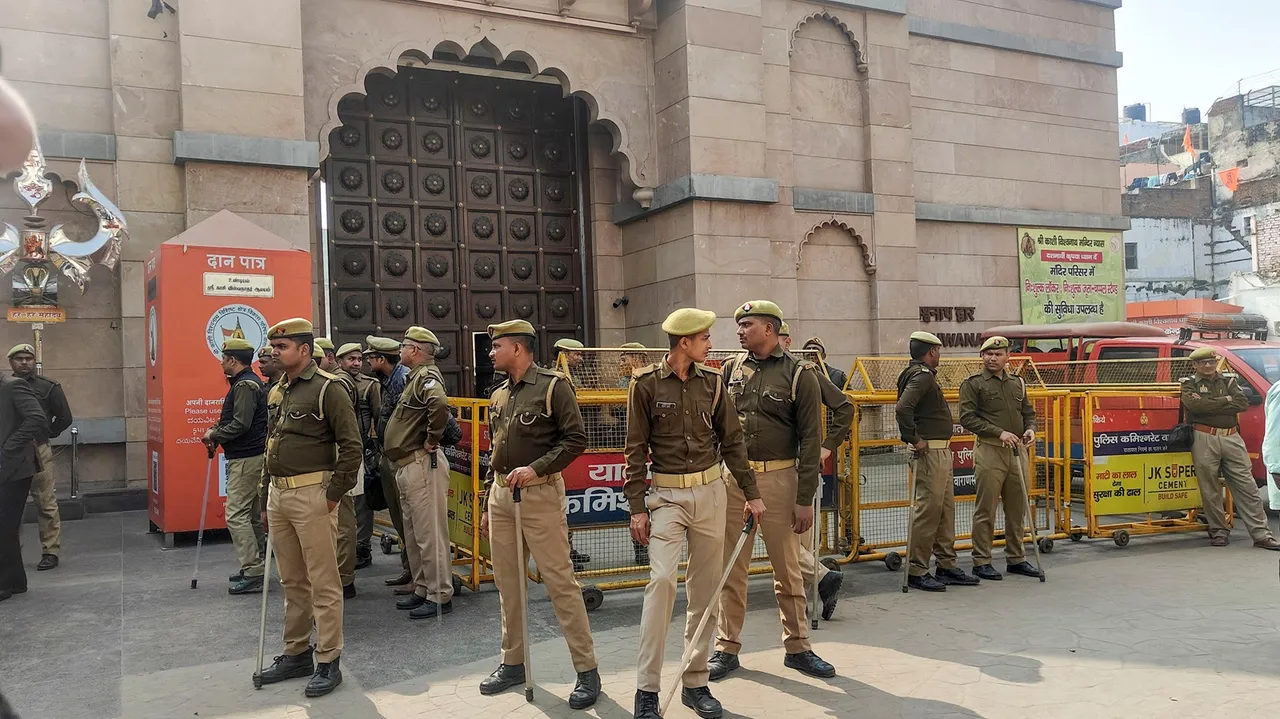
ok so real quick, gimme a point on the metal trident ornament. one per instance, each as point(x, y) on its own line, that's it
point(33, 253)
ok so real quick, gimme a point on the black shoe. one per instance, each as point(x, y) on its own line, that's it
point(586, 691)
point(286, 666)
point(829, 593)
point(327, 678)
point(48, 561)
point(926, 583)
point(364, 560)
point(987, 572)
point(579, 557)
point(721, 664)
point(349, 591)
point(647, 705)
point(412, 601)
point(1026, 569)
point(811, 664)
point(246, 585)
point(699, 699)
point(430, 609)
point(956, 576)
point(502, 679)
point(236, 577)
point(405, 577)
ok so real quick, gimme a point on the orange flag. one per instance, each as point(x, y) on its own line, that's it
point(1186, 141)
point(1230, 178)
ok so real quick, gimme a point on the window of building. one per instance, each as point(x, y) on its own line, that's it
point(1131, 255)
point(1248, 225)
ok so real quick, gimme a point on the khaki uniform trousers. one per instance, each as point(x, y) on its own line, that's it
point(695, 514)
point(933, 526)
point(244, 512)
point(424, 500)
point(348, 531)
point(546, 537)
point(46, 500)
point(778, 490)
point(391, 493)
point(303, 531)
point(1214, 454)
point(997, 479)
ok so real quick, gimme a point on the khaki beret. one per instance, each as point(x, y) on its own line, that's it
point(688, 321)
point(266, 351)
point(236, 343)
point(816, 342)
point(758, 308)
point(784, 330)
point(1200, 353)
point(324, 343)
point(421, 334)
point(569, 344)
point(513, 328)
point(317, 353)
point(291, 328)
point(382, 345)
point(18, 349)
point(348, 348)
point(994, 343)
point(926, 337)
point(631, 346)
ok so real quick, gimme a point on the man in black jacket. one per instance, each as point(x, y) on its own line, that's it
point(22, 423)
point(22, 358)
point(242, 432)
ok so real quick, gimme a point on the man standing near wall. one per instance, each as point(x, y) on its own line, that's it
point(22, 359)
point(384, 361)
point(269, 366)
point(368, 405)
point(241, 431)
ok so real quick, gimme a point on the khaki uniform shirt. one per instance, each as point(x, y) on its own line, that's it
point(840, 415)
point(311, 418)
point(525, 435)
point(922, 409)
point(991, 404)
point(1219, 404)
point(776, 426)
point(420, 416)
point(679, 424)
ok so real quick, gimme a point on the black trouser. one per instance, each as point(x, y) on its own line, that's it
point(364, 526)
point(392, 492)
point(13, 499)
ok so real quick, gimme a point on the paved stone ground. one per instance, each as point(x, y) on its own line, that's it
point(1166, 627)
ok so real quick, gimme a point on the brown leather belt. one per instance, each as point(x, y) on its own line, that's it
point(1220, 431)
point(690, 479)
point(501, 479)
point(298, 481)
point(771, 465)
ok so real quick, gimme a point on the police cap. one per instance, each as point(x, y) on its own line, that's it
point(926, 337)
point(512, 328)
point(688, 321)
point(994, 343)
point(18, 349)
point(758, 308)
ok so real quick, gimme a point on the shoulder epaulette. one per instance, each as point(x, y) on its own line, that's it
point(706, 368)
point(553, 373)
point(1184, 379)
point(326, 375)
point(642, 371)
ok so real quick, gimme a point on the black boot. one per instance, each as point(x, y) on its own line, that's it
point(246, 585)
point(956, 576)
point(502, 679)
point(987, 572)
point(926, 583)
point(647, 705)
point(811, 664)
point(1026, 569)
point(586, 691)
point(364, 559)
point(286, 666)
point(236, 577)
point(404, 578)
point(430, 609)
point(829, 593)
point(327, 678)
point(721, 664)
point(48, 561)
point(699, 699)
point(349, 591)
point(413, 601)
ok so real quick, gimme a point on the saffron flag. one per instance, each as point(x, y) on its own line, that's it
point(1186, 141)
point(1230, 178)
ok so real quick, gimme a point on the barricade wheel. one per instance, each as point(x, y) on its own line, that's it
point(388, 544)
point(592, 597)
point(1077, 536)
point(457, 584)
point(893, 561)
point(1046, 545)
point(831, 564)
point(1120, 537)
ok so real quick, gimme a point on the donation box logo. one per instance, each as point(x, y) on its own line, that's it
point(240, 321)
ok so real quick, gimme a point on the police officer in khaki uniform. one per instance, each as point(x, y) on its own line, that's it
point(325, 355)
point(995, 407)
point(678, 415)
point(1213, 405)
point(537, 431)
point(269, 366)
point(383, 355)
point(412, 444)
point(368, 404)
point(303, 481)
point(779, 402)
point(22, 359)
point(924, 423)
point(571, 350)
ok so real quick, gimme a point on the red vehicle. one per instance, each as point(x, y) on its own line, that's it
point(1239, 338)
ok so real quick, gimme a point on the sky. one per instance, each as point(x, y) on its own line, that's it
point(1185, 53)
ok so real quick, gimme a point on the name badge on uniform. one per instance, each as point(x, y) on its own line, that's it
point(665, 405)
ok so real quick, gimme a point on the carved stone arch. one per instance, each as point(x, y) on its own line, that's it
point(635, 158)
point(868, 256)
point(858, 51)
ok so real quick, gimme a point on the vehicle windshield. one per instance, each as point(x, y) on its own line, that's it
point(1264, 360)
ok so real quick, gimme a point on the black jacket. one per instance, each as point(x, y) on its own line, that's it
point(22, 422)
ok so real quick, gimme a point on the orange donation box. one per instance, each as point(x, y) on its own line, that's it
point(225, 277)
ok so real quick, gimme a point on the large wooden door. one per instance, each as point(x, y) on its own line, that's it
point(452, 204)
